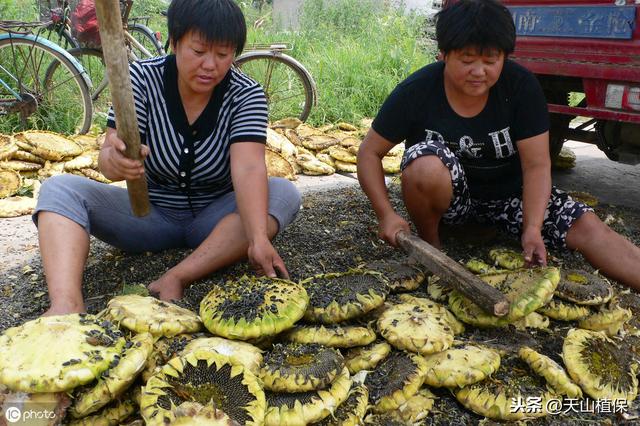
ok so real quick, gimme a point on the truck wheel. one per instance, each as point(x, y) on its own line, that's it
point(608, 138)
point(558, 125)
point(620, 141)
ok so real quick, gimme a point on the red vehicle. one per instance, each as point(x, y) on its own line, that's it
point(589, 48)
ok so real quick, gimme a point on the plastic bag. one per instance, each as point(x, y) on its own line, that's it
point(84, 24)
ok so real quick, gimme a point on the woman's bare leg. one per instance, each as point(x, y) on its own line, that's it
point(611, 253)
point(427, 193)
point(64, 247)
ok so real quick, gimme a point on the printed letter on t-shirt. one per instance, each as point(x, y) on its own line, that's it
point(500, 144)
point(429, 136)
point(468, 148)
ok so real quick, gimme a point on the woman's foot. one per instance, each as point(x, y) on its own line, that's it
point(166, 288)
point(61, 309)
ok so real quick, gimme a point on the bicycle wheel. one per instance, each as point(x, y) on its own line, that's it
point(46, 76)
point(147, 38)
point(93, 63)
point(289, 87)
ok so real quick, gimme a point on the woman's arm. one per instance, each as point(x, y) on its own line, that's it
point(249, 176)
point(536, 190)
point(371, 178)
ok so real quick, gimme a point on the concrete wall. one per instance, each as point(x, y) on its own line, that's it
point(286, 12)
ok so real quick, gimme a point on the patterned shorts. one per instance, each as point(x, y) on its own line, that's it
point(506, 213)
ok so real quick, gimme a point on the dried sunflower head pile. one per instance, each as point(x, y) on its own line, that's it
point(292, 148)
point(343, 348)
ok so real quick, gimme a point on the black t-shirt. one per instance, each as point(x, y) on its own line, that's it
point(417, 110)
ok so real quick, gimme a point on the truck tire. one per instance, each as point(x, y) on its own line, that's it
point(558, 125)
point(620, 141)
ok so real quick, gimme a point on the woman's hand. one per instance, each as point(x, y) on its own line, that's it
point(371, 178)
point(266, 260)
point(533, 249)
point(390, 225)
point(113, 163)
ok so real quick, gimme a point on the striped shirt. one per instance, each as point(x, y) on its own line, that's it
point(189, 165)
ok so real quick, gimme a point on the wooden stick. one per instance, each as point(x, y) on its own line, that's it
point(488, 298)
point(115, 55)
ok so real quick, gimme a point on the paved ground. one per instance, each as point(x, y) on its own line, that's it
point(610, 182)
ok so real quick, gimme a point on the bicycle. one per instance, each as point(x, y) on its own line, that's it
point(141, 41)
point(57, 13)
point(138, 28)
point(41, 85)
point(287, 84)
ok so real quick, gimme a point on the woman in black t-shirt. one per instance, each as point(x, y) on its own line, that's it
point(476, 127)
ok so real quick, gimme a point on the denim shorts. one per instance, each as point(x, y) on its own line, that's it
point(505, 213)
point(104, 211)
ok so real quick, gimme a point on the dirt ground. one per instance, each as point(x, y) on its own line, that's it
point(335, 230)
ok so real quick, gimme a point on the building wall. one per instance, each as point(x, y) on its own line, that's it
point(285, 13)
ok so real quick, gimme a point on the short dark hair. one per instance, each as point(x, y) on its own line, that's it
point(218, 21)
point(485, 24)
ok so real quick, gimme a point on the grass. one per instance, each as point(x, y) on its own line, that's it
point(356, 50)
point(19, 10)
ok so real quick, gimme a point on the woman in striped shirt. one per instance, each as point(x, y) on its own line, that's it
point(203, 126)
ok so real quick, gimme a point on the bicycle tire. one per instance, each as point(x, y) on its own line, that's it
point(298, 88)
point(52, 78)
point(92, 61)
point(147, 38)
